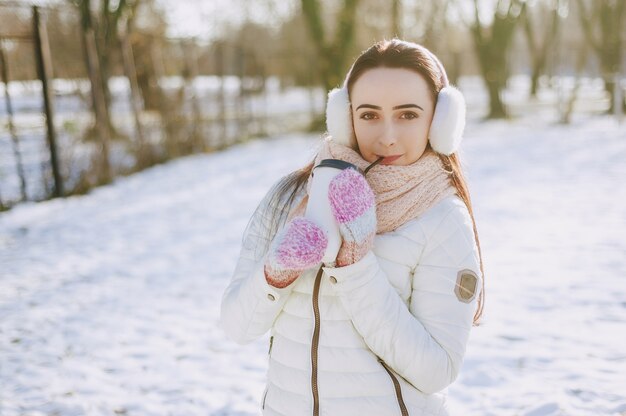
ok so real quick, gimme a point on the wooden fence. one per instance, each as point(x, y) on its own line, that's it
point(89, 141)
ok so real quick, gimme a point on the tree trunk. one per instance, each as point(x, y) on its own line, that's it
point(539, 53)
point(396, 16)
point(105, 34)
point(491, 47)
point(534, 81)
point(496, 107)
point(332, 55)
point(608, 16)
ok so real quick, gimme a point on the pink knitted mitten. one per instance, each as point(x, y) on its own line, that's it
point(353, 205)
point(298, 246)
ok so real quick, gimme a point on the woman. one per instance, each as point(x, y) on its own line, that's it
point(383, 329)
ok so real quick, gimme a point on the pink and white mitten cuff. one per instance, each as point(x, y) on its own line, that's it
point(300, 245)
point(353, 205)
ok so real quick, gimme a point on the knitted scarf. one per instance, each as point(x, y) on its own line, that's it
point(402, 192)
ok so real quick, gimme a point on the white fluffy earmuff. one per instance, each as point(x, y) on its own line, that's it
point(339, 117)
point(446, 129)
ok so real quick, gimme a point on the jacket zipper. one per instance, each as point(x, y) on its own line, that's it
point(396, 384)
point(315, 342)
point(264, 396)
point(269, 352)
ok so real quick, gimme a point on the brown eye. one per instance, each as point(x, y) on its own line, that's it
point(368, 116)
point(409, 115)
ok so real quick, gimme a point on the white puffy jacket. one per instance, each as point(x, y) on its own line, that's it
point(383, 336)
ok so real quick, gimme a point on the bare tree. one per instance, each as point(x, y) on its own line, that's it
point(147, 33)
point(332, 55)
point(104, 28)
point(603, 24)
point(540, 46)
point(433, 19)
point(295, 57)
point(492, 43)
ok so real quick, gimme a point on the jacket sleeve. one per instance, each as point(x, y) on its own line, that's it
point(426, 342)
point(249, 304)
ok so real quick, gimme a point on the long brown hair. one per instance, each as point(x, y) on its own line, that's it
point(392, 53)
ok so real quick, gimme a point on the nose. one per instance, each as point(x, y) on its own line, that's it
point(389, 134)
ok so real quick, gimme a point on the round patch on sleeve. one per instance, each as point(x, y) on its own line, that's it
point(466, 285)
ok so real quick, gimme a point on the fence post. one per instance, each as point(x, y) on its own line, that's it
point(265, 111)
point(219, 62)
point(312, 112)
point(4, 65)
point(44, 70)
point(167, 124)
point(191, 61)
point(618, 98)
point(242, 113)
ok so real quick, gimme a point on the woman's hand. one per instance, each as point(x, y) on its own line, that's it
point(353, 205)
point(298, 246)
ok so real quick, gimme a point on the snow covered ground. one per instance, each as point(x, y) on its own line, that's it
point(109, 302)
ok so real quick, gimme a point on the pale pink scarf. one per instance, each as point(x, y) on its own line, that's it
point(402, 192)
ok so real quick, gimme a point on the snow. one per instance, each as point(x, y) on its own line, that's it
point(109, 301)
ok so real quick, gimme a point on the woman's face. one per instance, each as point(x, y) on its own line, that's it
point(391, 113)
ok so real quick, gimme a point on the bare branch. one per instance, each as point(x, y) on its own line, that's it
point(586, 23)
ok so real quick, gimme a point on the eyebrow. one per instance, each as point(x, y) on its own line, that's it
point(375, 107)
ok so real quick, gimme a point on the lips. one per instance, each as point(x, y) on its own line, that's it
point(389, 159)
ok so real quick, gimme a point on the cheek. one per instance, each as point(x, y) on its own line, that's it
point(364, 130)
point(418, 129)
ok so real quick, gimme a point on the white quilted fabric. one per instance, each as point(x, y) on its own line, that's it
point(397, 303)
